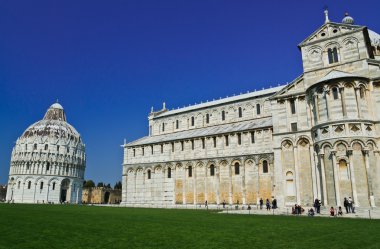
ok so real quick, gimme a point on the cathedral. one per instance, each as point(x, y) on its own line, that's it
point(316, 137)
point(47, 162)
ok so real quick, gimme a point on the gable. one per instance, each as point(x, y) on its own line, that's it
point(330, 30)
point(296, 87)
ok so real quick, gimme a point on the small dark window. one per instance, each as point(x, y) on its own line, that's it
point(212, 170)
point(41, 185)
point(151, 148)
point(53, 185)
point(190, 168)
point(149, 174)
point(252, 137)
point(240, 112)
point(67, 168)
point(18, 185)
point(192, 144)
point(294, 126)
point(29, 184)
point(237, 169)
point(292, 106)
point(362, 93)
point(35, 147)
point(335, 93)
point(47, 166)
point(162, 148)
point(57, 148)
point(172, 146)
point(265, 166)
point(203, 143)
point(239, 138)
point(177, 124)
point(46, 147)
point(27, 166)
point(192, 121)
point(226, 139)
point(258, 109)
point(163, 126)
point(143, 151)
point(333, 55)
point(26, 147)
point(182, 146)
point(214, 140)
point(68, 149)
point(207, 118)
point(223, 115)
point(169, 173)
point(134, 152)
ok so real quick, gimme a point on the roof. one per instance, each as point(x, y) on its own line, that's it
point(271, 90)
point(207, 131)
point(375, 38)
point(335, 74)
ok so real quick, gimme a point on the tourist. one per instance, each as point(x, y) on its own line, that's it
point(345, 204)
point(261, 203)
point(206, 204)
point(249, 207)
point(274, 204)
point(332, 212)
point(350, 204)
point(268, 204)
point(224, 203)
point(340, 212)
point(318, 206)
point(353, 207)
point(311, 212)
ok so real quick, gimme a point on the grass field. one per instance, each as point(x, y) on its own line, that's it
point(56, 226)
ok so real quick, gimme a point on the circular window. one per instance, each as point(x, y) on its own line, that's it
point(335, 31)
point(323, 34)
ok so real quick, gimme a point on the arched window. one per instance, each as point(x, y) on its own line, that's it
point(333, 55)
point(214, 141)
point(192, 121)
point(226, 140)
point(27, 166)
point(190, 171)
point(67, 169)
point(192, 144)
point(47, 166)
point(29, 184)
point(265, 166)
point(149, 174)
point(239, 138)
point(169, 173)
point(68, 149)
point(203, 143)
point(292, 106)
point(163, 127)
point(41, 185)
point(18, 185)
point(258, 111)
point(162, 148)
point(212, 170)
point(237, 169)
point(240, 112)
point(335, 93)
point(35, 147)
point(58, 148)
point(207, 118)
point(223, 115)
point(177, 124)
point(134, 152)
point(53, 185)
point(46, 147)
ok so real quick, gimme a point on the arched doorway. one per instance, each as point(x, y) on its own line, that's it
point(106, 197)
point(65, 185)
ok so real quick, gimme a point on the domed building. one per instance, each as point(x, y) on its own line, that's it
point(48, 162)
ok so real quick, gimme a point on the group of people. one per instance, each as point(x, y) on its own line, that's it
point(297, 209)
point(268, 204)
point(349, 205)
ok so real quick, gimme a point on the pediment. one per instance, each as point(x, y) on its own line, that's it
point(295, 87)
point(329, 30)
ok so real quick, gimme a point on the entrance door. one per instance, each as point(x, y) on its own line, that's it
point(63, 195)
point(106, 197)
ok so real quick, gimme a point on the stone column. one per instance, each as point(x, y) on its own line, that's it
point(195, 184)
point(326, 95)
point(205, 183)
point(230, 189)
point(336, 178)
point(217, 185)
point(34, 193)
point(357, 94)
point(184, 186)
point(352, 174)
point(316, 107)
point(296, 169)
point(47, 193)
point(324, 188)
point(243, 183)
point(313, 172)
point(369, 178)
point(343, 101)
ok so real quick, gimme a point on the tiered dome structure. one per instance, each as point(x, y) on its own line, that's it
point(48, 162)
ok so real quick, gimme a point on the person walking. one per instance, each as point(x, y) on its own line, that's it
point(349, 204)
point(345, 204)
point(268, 205)
point(261, 203)
point(224, 204)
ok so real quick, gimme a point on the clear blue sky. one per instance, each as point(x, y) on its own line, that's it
point(108, 62)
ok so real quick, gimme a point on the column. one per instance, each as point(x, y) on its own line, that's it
point(352, 174)
point(313, 172)
point(326, 95)
point(369, 178)
point(336, 179)
point(47, 193)
point(217, 185)
point(316, 107)
point(195, 184)
point(243, 182)
point(343, 101)
point(230, 190)
point(184, 186)
point(298, 194)
point(205, 184)
point(324, 189)
point(357, 94)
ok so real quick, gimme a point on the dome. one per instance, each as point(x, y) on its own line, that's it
point(49, 153)
point(348, 19)
point(374, 37)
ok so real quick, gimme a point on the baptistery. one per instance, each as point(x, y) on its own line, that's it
point(48, 162)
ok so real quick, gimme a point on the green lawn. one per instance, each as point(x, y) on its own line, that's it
point(56, 226)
